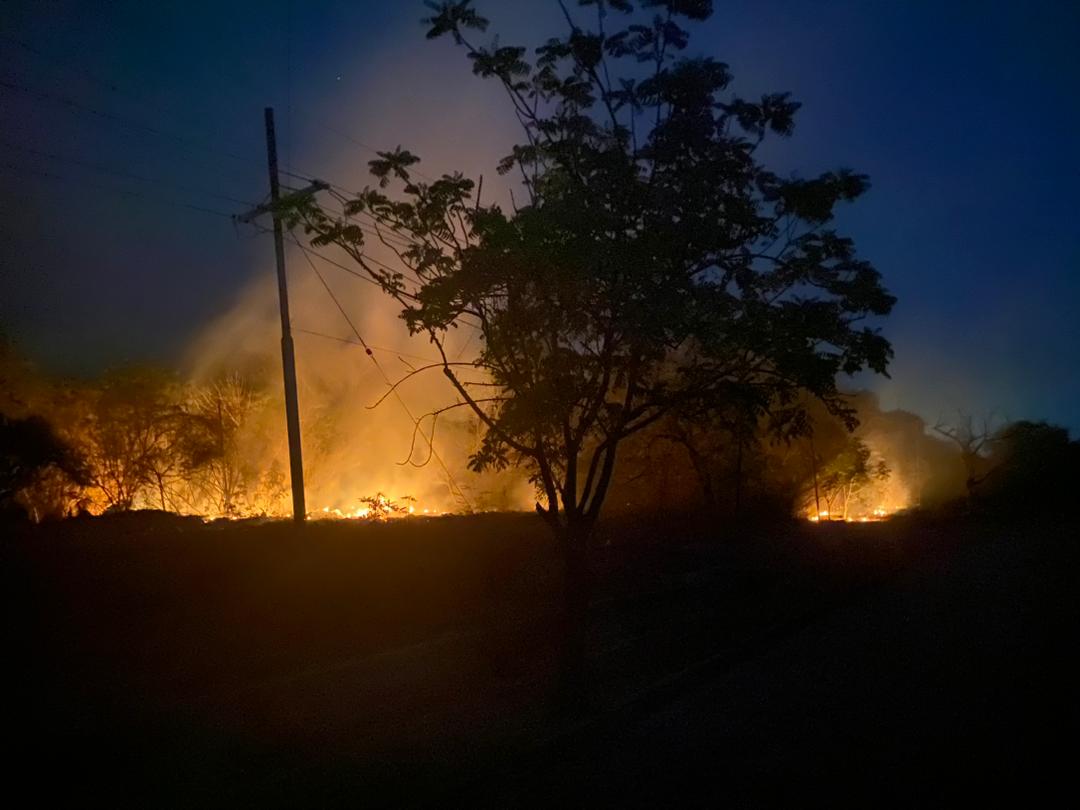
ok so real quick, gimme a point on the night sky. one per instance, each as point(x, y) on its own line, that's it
point(965, 116)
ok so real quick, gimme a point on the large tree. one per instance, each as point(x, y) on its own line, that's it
point(652, 265)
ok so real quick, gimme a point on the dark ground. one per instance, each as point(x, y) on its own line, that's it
point(920, 662)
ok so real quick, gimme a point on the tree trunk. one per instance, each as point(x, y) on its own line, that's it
point(701, 469)
point(576, 593)
point(708, 492)
point(739, 476)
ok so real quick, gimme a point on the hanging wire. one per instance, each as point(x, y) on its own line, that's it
point(455, 489)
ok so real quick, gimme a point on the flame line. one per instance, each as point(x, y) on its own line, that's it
point(373, 348)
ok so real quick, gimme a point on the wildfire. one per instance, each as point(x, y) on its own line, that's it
point(377, 507)
point(878, 514)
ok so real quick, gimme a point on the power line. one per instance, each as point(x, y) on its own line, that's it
point(373, 348)
point(83, 73)
point(358, 274)
point(123, 192)
point(98, 167)
point(386, 238)
point(113, 87)
point(70, 65)
point(454, 488)
point(371, 228)
point(369, 225)
point(351, 271)
point(184, 141)
point(48, 175)
point(466, 344)
point(88, 75)
point(340, 266)
point(189, 142)
point(369, 148)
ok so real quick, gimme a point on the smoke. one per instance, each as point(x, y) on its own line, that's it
point(926, 471)
point(359, 436)
point(360, 439)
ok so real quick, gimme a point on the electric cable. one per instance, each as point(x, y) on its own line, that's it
point(452, 483)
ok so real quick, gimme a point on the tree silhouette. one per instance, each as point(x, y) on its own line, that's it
point(146, 441)
point(973, 438)
point(722, 440)
point(33, 457)
point(654, 263)
point(129, 439)
point(222, 410)
point(848, 474)
point(1033, 467)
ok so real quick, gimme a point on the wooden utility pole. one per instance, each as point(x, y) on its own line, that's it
point(813, 464)
point(288, 362)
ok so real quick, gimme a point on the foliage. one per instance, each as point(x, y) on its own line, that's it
point(37, 468)
point(225, 409)
point(848, 475)
point(381, 507)
point(655, 265)
point(1033, 466)
point(973, 438)
point(140, 441)
point(135, 438)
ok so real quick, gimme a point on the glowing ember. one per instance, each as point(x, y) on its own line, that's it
point(878, 514)
point(376, 507)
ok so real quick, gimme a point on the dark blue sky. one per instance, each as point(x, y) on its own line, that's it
point(965, 115)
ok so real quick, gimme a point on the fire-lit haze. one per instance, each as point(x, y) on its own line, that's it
point(358, 433)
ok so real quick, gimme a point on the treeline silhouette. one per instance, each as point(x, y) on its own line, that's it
point(135, 438)
point(893, 459)
point(142, 438)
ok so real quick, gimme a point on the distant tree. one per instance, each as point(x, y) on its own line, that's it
point(653, 475)
point(726, 439)
point(222, 410)
point(14, 374)
point(1033, 467)
point(848, 474)
point(654, 263)
point(130, 436)
point(39, 472)
point(705, 445)
point(972, 438)
point(182, 450)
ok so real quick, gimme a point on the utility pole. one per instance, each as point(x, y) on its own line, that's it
point(813, 466)
point(288, 362)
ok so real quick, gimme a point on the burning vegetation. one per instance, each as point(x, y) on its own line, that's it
point(145, 439)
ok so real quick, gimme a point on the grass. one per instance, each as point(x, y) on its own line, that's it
point(167, 660)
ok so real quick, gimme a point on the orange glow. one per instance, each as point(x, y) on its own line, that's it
point(879, 513)
point(376, 507)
